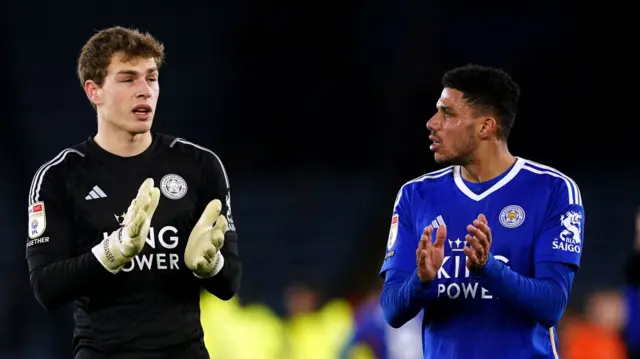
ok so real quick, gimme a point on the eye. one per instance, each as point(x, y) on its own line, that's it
point(128, 79)
point(152, 79)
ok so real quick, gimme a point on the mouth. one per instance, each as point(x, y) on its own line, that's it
point(142, 111)
point(436, 143)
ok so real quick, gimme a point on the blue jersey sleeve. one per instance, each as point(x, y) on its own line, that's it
point(632, 324)
point(543, 298)
point(561, 238)
point(402, 242)
point(632, 299)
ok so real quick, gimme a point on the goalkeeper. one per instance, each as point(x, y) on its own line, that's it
point(131, 225)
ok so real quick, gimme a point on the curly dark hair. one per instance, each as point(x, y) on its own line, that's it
point(489, 90)
point(97, 52)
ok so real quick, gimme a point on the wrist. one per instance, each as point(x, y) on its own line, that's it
point(418, 283)
point(216, 267)
point(488, 269)
point(119, 239)
point(108, 253)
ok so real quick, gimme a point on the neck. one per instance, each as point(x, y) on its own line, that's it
point(488, 163)
point(122, 143)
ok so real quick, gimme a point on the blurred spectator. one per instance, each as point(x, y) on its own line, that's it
point(632, 296)
point(373, 338)
point(597, 334)
point(234, 331)
point(315, 330)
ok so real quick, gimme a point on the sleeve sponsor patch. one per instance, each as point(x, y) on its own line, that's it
point(37, 220)
point(393, 232)
point(232, 226)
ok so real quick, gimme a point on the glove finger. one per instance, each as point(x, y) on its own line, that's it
point(135, 227)
point(210, 214)
point(200, 263)
point(142, 199)
point(143, 202)
point(210, 251)
point(217, 238)
point(131, 211)
point(143, 192)
point(132, 206)
point(154, 199)
point(146, 186)
point(128, 248)
point(222, 224)
point(132, 245)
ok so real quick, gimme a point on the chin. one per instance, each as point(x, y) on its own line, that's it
point(139, 128)
point(448, 160)
point(440, 158)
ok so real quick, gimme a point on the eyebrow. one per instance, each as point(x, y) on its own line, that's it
point(444, 108)
point(134, 72)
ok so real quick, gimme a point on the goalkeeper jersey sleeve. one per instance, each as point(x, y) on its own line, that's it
point(151, 305)
point(215, 185)
point(57, 272)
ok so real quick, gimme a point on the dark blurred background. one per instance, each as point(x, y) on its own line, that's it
point(318, 111)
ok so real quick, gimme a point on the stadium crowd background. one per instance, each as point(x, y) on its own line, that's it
point(317, 110)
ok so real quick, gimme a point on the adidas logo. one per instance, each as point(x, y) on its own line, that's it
point(95, 193)
point(457, 245)
point(437, 222)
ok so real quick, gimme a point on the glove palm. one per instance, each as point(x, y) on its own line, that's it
point(127, 241)
point(202, 254)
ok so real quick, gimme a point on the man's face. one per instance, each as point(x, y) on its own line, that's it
point(454, 129)
point(128, 97)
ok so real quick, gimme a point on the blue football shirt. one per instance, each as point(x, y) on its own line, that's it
point(535, 214)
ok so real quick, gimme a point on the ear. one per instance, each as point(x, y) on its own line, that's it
point(93, 92)
point(489, 127)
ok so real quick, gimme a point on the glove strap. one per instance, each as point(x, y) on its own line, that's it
point(216, 266)
point(105, 254)
point(218, 263)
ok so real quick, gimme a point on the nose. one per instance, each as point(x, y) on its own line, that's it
point(432, 123)
point(144, 91)
point(146, 94)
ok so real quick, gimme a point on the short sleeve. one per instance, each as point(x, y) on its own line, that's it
point(402, 241)
point(562, 236)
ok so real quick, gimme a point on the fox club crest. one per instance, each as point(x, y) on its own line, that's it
point(173, 186)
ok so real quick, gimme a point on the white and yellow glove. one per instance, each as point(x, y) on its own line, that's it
point(202, 255)
point(115, 251)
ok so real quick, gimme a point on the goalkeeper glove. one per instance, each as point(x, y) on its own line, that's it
point(127, 241)
point(202, 255)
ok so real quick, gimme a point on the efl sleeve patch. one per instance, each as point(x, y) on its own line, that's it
point(393, 232)
point(37, 220)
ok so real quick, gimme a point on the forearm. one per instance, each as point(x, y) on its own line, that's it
point(226, 283)
point(58, 283)
point(403, 296)
point(543, 298)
